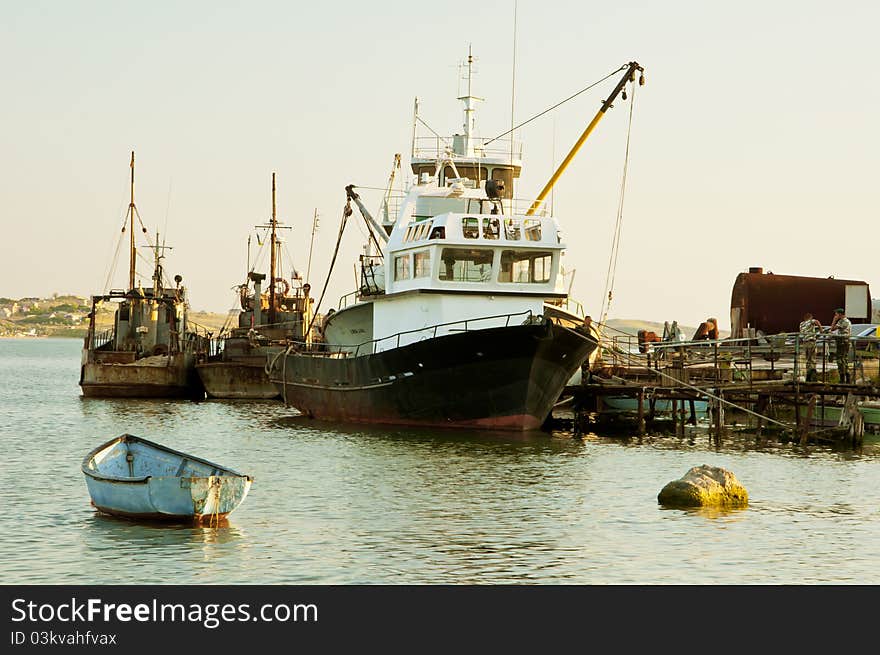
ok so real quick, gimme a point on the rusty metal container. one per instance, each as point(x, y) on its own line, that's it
point(772, 303)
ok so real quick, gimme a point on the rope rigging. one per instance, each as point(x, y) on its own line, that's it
point(558, 104)
point(166, 281)
point(607, 295)
point(346, 212)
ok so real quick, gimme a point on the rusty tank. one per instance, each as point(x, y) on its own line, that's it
point(770, 303)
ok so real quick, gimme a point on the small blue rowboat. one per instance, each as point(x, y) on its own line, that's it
point(135, 478)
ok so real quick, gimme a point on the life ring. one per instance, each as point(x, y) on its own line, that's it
point(284, 284)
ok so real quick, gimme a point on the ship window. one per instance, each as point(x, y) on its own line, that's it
point(473, 172)
point(438, 232)
point(531, 267)
point(470, 227)
point(422, 170)
point(466, 264)
point(421, 263)
point(124, 312)
point(423, 230)
point(469, 172)
point(491, 228)
point(532, 229)
point(401, 267)
point(511, 230)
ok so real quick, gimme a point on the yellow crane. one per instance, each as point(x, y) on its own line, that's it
point(628, 76)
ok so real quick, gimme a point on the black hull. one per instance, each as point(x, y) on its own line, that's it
point(497, 378)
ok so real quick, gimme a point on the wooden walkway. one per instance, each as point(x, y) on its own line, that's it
point(759, 387)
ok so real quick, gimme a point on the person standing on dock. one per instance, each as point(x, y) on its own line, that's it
point(841, 327)
point(808, 331)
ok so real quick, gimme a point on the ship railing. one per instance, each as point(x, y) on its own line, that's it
point(432, 331)
point(570, 305)
point(348, 298)
point(198, 338)
point(215, 345)
point(103, 338)
point(521, 206)
point(438, 147)
point(390, 207)
point(779, 356)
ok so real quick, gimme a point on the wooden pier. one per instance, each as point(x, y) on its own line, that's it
point(724, 386)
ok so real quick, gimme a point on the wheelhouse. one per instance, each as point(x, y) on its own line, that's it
point(475, 252)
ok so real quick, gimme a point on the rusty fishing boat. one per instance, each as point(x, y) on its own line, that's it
point(150, 349)
point(234, 365)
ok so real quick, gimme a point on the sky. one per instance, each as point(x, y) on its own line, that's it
point(754, 142)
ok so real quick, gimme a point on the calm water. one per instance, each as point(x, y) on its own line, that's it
point(345, 504)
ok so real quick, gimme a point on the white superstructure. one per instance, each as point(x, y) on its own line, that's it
point(462, 247)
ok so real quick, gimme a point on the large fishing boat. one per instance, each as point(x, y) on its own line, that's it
point(235, 366)
point(460, 316)
point(150, 349)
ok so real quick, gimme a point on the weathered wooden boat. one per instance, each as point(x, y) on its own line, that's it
point(131, 477)
point(624, 405)
point(833, 415)
point(150, 350)
point(458, 319)
point(234, 365)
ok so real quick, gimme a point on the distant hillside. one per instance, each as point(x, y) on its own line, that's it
point(67, 316)
point(212, 322)
point(57, 316)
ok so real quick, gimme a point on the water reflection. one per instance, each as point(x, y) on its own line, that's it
point(298, 425)
point(707, 512)
point(104, 532)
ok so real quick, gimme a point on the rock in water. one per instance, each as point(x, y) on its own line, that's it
point(704, 485)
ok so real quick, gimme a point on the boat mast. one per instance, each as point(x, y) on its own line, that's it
point(469, 109)
point(157, 270)
point(312, 244)
point(131, 211)
point(272, 263)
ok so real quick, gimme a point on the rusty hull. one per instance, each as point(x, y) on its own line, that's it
point(142, 379)
point(237, 380)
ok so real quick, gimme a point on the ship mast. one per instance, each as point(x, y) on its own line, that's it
point(312, 244)
point(131, 211)
point(272, 263)
point(273, 228)
point(470, 109)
